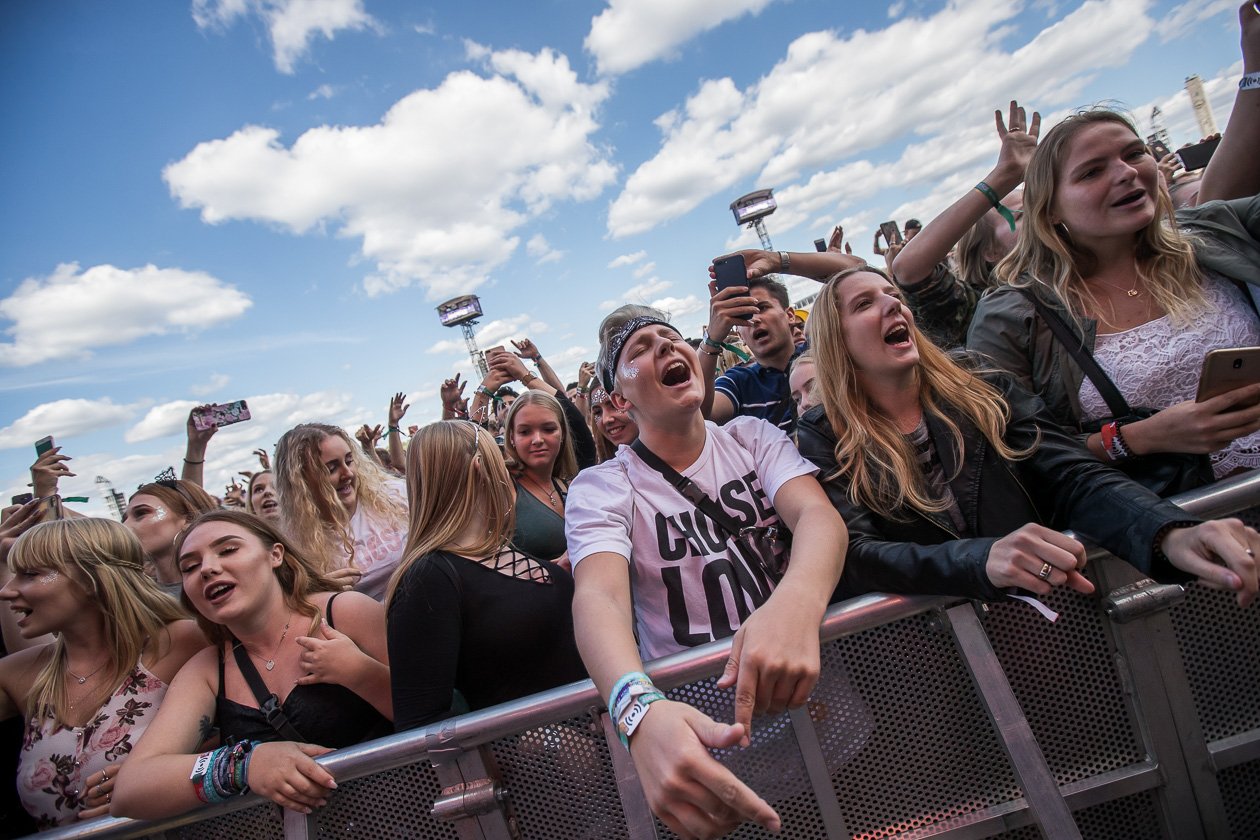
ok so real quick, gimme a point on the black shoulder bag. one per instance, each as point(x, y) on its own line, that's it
point(268, 703)
point(1165, 473)
point(763, 544)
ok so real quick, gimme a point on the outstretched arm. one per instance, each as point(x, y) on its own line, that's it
point(1234, 172)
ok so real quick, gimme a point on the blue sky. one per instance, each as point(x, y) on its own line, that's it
point(266, 199)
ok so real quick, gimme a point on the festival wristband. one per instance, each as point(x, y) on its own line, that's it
point(622, 685)
point(627, 725)
point(1003, 211)
point(484, 391)
point(738, 352)
point(1250, 81)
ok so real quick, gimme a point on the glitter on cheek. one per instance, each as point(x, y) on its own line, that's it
point(51, 577)
point(629, 371)
point(159, 513)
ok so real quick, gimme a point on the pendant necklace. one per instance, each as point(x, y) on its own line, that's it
point(551, 497)
point(82, 680)
point(270, 664)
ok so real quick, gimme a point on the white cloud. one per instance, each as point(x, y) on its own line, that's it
point(787, 123)
point(160, 421)
point(322, 92)
point(291, 24)
point(498, 331)
point(63, 419)
point(627, 259)
point(567, 361)
point(69, 313)
point(542, 252)
point(897, 9)
point(644, 270)
point(1187, 15)
point(631, 33)
point(640, 293)
point(434, 190)
point(678, 308)
point(217, 382)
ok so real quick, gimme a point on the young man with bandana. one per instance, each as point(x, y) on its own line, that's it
point(650, 560)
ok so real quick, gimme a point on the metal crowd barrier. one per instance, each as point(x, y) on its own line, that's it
point(1134, 716)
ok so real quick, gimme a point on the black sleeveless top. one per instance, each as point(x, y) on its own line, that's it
point(328, 715)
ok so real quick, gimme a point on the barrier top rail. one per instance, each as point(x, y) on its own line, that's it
point(481, 727)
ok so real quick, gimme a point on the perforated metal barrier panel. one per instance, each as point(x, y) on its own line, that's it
point(1150, 729)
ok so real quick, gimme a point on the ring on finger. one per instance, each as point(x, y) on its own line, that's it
point(1250, 553)
point(1044, 574)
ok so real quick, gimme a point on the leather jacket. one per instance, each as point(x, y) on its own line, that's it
point(1006, 329)
point(1059, 485)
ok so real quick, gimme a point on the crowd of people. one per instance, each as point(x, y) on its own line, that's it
point(1027, 364)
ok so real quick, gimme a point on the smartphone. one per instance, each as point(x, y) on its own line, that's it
point(730, 271)
point(1227, 369)
point(1159, 149)
point(498, 348)
point(21, 498)
point(892, 233)
point(820, 245)
point(221, 414)
point(43, 445)
point(1197, 156)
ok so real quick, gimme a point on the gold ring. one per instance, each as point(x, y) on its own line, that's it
point(1044, 574)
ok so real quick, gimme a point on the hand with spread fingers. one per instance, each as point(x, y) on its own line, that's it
point(330, 657)
point(1221, 553)
point(47, 470)
point(1037, 559)
point(397, 408)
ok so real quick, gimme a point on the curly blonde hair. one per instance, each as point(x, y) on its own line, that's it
point(311, 514)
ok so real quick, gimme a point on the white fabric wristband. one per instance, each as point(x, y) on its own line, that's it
point(1251, 81)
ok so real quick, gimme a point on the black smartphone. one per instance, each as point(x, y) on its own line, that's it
point(730, 271)
point(820, 245)
point(1158, 149)
point(1197, 156)
point(22, 498)
point(892, 233)
point(43, 445)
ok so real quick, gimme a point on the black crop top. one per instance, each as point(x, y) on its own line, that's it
point(328, 715)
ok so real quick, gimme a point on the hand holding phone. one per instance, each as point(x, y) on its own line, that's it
point(220, 414)
point(1229, 369)
point(892, 233)
point(731, 272)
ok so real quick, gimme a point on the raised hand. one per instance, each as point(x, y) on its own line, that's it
point(397, 408)
point(263, 458)
point(525, 349)
point(47, 470)
point(1019, 140)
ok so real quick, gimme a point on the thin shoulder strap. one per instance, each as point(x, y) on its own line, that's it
point(688, 488)
point(221, 689)
point(1075, 345)
point(328, 610)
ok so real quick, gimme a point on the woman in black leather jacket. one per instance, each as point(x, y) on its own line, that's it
point(954, 482)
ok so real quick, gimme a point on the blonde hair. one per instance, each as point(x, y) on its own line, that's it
point(975, 247)
point(299, 577)
point(565, 466)
point(311, 514)
point(1046, 257)
point(104, 559)
point(882, 465)
point(455, 473)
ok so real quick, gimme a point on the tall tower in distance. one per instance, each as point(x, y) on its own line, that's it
point(113, 499)
point(1202, 108)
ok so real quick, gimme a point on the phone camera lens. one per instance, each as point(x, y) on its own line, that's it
point(1237, 364)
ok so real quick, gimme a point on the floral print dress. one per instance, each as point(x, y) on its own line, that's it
point(56, 760)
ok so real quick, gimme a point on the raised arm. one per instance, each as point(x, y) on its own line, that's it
point(1234, 172)
point(525, 349)
point(915, 262)
point(393, 432)
point(195, 451)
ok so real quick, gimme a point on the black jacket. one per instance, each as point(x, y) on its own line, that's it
point(1060, 485)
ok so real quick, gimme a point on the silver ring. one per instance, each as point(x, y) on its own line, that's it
point(1044, 574)
point(1250, 553)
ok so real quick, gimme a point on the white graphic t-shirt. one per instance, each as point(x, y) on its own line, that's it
point(378, 544)
point(689, 587)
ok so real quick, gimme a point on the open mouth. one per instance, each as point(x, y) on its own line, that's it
point(270, 504)
point(760, 334)
point(345, 489)
point(676, 374)
point(217, 592)
point(22, 614)
point(1132, 198)
point(897, 335)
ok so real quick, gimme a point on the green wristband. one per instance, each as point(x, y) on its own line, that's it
point(1002, 209)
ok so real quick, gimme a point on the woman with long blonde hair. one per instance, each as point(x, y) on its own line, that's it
point(339, 507)
point(1101, 258)
point(467, 611)
point(955, 481)
point(287, 677)
point(90, 694)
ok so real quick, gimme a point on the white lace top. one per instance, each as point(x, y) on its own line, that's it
point(1157, 364)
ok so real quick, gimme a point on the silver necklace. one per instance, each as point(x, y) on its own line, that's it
point(270, 664)
point(82, 680)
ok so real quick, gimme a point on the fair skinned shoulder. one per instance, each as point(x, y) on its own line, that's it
point(191, 696)
point(362, 618)
point(175, 647)
point(17, 675)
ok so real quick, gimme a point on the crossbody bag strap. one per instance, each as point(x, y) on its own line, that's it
point(688, 488)
point(1107, 389)
point(268, 702)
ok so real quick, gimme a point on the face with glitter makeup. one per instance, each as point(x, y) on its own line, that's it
point(658, 372)
point(44, 601)
point(153, 524)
